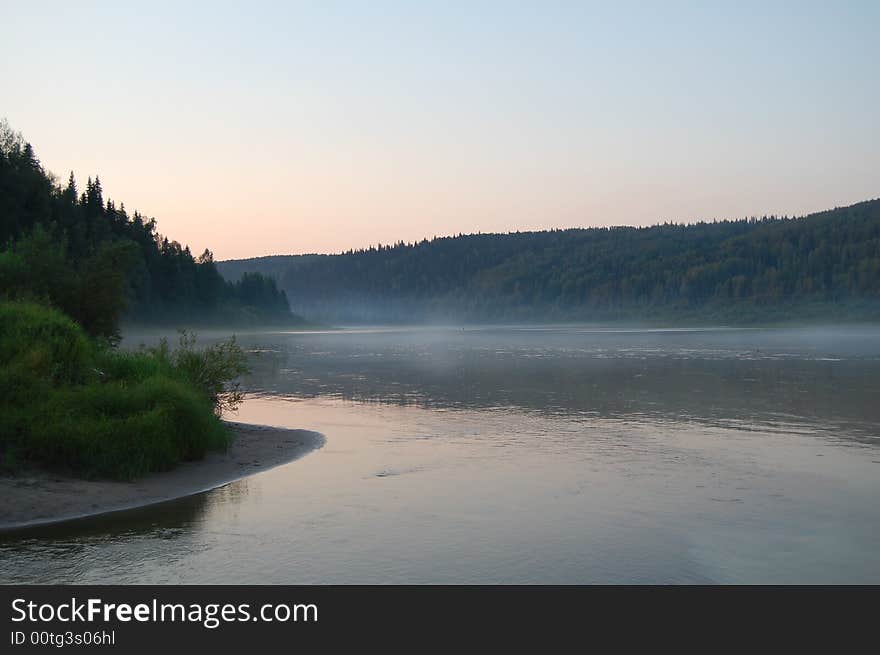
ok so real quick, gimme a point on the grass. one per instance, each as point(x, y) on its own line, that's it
point(76, 405)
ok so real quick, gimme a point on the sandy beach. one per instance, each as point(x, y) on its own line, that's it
point(37, 497)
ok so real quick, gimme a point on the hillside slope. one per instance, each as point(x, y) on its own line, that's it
point(89, 257)
point(825, 266)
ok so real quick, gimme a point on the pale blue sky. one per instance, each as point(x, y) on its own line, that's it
point(258, 128)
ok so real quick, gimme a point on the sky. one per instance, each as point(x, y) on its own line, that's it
point(272, 128)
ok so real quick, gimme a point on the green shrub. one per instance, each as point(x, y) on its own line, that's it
point(212, 370)
point(121, 430)
point(43, 343)
point(84, 407)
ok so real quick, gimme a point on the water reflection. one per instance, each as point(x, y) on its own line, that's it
point(741, 378)
point(54, 553)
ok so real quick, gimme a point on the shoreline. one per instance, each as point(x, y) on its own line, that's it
point(38, 498)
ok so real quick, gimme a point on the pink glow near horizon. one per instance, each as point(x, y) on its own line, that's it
point(290, 131)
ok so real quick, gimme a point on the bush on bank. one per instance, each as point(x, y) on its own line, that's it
point(77, 405)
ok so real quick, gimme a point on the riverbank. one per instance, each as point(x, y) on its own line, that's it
point(37, 497)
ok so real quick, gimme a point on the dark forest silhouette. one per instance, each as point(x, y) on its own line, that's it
point(91, 259)
point(825, 266)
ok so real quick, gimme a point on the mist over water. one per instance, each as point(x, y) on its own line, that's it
point(558, 454)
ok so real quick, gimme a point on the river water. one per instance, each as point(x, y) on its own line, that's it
point(567, 454)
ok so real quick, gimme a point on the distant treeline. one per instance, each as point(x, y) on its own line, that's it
point(825, 266)
point(88, 257)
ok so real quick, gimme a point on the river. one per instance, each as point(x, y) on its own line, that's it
point(557, 454)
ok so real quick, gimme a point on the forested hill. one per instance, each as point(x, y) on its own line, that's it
point(272, 266)
point(824, 267)
point(69, 247)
